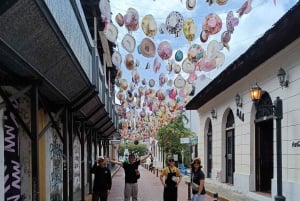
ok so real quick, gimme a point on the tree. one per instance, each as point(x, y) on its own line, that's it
point(168, 138)
point(132, 148)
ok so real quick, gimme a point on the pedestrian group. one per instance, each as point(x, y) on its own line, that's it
point(170, 178)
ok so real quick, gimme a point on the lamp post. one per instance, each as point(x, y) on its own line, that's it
point(162, 147)
point(126, 152)
point(163, 156)
point(255, 94)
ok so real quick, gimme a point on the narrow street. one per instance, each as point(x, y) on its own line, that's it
point(150, 187)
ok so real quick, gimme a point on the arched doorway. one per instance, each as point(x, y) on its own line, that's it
point(264, 144)
point(209, 150)
point(229, 156)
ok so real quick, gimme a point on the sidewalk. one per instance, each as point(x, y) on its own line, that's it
point(150, 187)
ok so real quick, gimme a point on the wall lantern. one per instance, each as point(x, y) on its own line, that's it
point(282, 77)
point(238, 100)
point(255, 93)
point(213, 113)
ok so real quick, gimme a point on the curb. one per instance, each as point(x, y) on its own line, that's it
point(220, 197)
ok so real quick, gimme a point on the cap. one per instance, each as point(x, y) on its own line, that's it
point(100, 158)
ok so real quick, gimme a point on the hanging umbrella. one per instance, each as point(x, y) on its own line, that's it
point(174, 23)
point(131, 19)
point(149, 25)
point(164, 50)
point(189, 29)
point(147, 48)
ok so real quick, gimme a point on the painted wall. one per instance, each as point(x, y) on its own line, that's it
point(25, 149)
point(76, 165)
point(54, 150)
point(85, 162)
point(12, 167)
point(1, 151)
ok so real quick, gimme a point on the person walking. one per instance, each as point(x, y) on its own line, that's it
point(132, 174)
point(170, 178)
point(151, 163)
point(198, 189)
point(102, 181)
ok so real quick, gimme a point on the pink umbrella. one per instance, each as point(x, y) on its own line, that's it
point(164, 50)
point(245, 9)
point(211, 25)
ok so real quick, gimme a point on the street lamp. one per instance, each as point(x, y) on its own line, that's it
point(163, 155)
point(126, 152)
point(255, 94)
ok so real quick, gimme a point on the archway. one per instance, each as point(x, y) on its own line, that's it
point(230, 150)
point(264, 145)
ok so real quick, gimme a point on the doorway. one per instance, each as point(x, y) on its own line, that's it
point(264, 163)
point(230, 151)
point(229, 156)
point(264, 155)
point(209, 150)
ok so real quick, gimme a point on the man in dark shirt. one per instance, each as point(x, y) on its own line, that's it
point(132, 174)
point(102, 181)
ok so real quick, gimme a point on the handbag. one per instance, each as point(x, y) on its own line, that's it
point(175, 179)
point(195, 186)
point(137, 174)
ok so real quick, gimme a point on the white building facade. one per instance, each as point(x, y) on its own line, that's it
point(238, 144)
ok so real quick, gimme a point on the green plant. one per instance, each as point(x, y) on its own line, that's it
point(139, 148)
point(169, 138)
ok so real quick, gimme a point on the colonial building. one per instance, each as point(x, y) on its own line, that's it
point(56, 98)
point(241, 143)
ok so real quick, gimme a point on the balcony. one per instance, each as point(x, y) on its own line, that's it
point(50, 42)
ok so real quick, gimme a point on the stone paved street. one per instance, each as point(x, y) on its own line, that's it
point(150, 188)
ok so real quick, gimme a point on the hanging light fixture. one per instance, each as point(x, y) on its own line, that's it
point(255, 93)
point(282, 77)
point(213, 113)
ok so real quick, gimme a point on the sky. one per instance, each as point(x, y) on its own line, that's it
point(251, 26)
